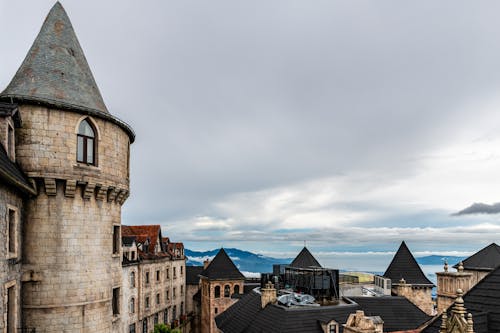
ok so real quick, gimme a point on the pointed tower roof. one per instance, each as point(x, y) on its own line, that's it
point(305, 260)
point(486, 259)
point(404, 266)
point(55, 72)
point(222, 268)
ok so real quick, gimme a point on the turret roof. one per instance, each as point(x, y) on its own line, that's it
point(222, 268)
point(305, 260)
point(404, 266)
point(55, 72)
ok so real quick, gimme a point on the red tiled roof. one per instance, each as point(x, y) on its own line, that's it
point(143, 232)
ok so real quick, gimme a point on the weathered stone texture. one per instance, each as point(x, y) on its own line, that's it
point(46, 147)
point(10, 269)
point(69, 237)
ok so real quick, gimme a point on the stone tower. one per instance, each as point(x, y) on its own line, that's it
point(219, 281)
point(409, 280)
point(76, 155)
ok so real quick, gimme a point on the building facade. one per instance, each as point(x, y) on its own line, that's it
point(154, 275)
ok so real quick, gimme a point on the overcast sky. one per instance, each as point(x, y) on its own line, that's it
point(352, 125)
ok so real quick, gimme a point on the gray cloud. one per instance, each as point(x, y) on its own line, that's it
point(231, 97)
point(479, 208)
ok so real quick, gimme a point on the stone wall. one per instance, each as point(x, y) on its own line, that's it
point(69, 237)
point(130, 291)
point(10, 267)
point(420, 296)
point(211, 306)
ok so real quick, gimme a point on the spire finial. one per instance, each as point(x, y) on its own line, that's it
point(460, 267)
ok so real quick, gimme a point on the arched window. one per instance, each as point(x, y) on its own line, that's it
point(132, 305)
point(217, 291)
point(237, 289)
point(227, 290)
point(132, 279)
point(86, 144)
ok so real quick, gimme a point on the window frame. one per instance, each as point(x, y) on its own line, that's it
point(12, 232)
point(85, 140)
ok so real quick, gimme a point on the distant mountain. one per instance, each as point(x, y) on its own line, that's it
point(439, 260)
point(244, 260)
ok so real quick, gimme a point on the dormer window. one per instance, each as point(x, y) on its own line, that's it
point(86, 144)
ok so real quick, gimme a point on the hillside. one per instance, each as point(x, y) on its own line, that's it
point(244, 260)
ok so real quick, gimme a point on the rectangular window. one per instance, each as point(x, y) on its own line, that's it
point(146, 302)
point(157, 275)
point(11, 310)
point(182, 290)
point(182, 271)
point(116, 301)
point(167, 295)
point(12, 232)
point(157, 299)
point(10, 143)
point(168, 273)
point(173, 293)
point(175, 273)
point(147, 278)
point(156, 318)
point(131, 328)
point(116, 239)
point(145, 325)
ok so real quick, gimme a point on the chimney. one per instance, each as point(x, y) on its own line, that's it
point(268, 295)
point(206, 262)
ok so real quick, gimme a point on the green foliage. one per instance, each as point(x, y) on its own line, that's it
point(162, 328)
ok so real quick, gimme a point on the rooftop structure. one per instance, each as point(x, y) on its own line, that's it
point(486, 259)
point(404, 266)
point(482, 301)
point(251, 315)
point(222, 268)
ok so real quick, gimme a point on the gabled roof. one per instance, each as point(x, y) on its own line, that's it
point(142, 233)
point(486, 259)
point(483, 301)
point(55, 72)
point(222, 268)
point(404, 266)
point(192, 274)
point(11, 174)
point(305, 260)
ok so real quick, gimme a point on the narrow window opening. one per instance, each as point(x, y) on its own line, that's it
point(217, 291)
point(116, 239)
point(227, 290)
point(116, 301)
point(12, 230)
point(11, 308)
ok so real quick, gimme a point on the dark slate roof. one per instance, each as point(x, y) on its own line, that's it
point(398, 313)
point(305, 260)
point(483, 301)
point(247, 315)
point(404, 265)
point(55, 72)
point(11, 174)
point(192, 274)
point(222, 268)
point(486, 259)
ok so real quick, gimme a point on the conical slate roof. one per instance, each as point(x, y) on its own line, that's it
point(486, 259)
point(55, 71)
point(305, 260)
point(222, 268)
point(404, 266)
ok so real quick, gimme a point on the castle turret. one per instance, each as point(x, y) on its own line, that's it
point(76, 154)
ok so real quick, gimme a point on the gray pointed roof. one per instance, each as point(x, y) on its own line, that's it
point(487, 259)
point(305, 260)
point(222, 268)
point(55, 72)
point(404, 266)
